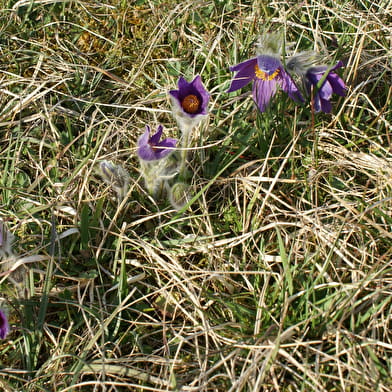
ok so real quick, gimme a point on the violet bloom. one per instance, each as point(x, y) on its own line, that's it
point(332, 84)
point(189, 102)
point(266, 72)
point(4, 326)
point(150, 148)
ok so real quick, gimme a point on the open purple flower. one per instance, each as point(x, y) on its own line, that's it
point(266, 72)
point(4, 326)
point(150, 148)
point(189, 103)
point(332, 84)
point(191, 97)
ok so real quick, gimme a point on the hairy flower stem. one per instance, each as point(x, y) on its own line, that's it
point(185, 144)
point(151, 171)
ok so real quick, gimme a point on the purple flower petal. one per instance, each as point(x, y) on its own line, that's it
point(165, 147)
point(146, 153)
point(205, 96)
point(245, 74)
point(288, 85)
point(183, 87)
point(337, 84)
point(263, 91)
point(331, 84)
point(326, 106)
point(316, 103)
point(175, 94)
point(268, 64)
point(325, 91)
point(143, 140)
point(151, 148)
point(167, 143)
point(339, 64)
point(4, 326)
point(154, 139)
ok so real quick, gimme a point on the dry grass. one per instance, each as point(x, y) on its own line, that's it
point(278, 277)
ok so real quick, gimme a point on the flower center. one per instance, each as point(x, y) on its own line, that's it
point(263, 75)
point(153, 146)
point(191, 104)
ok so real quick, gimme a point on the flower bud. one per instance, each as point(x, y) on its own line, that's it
point(115, 176)
point(179, 195)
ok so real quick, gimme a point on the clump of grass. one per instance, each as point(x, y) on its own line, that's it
point(275, 277)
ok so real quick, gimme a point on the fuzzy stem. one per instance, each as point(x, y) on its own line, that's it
point(186, 132)
point(151, 172)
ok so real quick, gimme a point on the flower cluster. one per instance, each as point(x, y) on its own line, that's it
point(157, 161)
point(163, 161)
point(267, 71)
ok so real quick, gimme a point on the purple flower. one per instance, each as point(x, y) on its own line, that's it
point(151, 149)
point(266, 72)
point(191, 98)
point(332, 84)
point(4, 326)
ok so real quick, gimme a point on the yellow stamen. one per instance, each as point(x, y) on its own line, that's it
point(263, 75)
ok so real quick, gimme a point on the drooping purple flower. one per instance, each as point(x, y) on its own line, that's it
point(332, 84)
point(266, 71)
point(150, 148)
point(4, 326)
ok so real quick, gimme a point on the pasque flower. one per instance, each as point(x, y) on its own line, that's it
point(151, 148)
point(4, 326)
point(189, 102)
point(266, 72)
point(330, 83)
point(156, 167)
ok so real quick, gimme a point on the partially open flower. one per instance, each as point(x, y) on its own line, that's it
point(330, 83)
point(150, 148)
point(155, 160)
point(266, 71)
point(189, 102)
point(4, 326)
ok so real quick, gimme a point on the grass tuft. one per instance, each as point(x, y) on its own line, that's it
point(275, 276)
